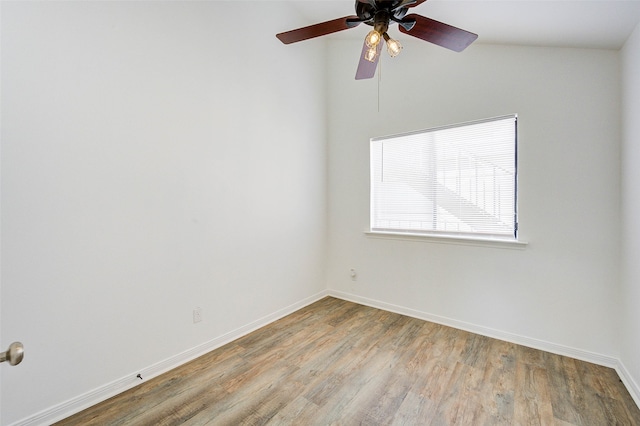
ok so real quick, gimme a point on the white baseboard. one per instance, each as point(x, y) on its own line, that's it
point(592, 357)
point(77, 404)
point(595, 358)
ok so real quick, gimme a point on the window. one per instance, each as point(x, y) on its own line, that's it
point(458, 180)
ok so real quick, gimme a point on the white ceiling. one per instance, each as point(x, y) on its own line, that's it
point(570, 23)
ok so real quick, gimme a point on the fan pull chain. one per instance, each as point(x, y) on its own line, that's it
point(379, 79)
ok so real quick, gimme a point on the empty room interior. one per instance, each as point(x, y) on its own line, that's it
point(175, 180)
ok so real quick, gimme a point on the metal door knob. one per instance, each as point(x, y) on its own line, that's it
point(14, 354)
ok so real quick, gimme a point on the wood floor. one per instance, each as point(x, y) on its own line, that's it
point(339, 363)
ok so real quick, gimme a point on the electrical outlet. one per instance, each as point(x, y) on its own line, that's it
point(353, 273)
point(197, 314)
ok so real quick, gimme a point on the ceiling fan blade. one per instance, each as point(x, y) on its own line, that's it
point(318, 30)
point(367, 69)
point(438, 33)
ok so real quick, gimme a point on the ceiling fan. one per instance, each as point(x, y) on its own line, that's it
point(380, 14)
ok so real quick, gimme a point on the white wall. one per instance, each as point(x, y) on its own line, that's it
point(155, 157)
point(562, 288)
point(142, 145)
point(631, 208)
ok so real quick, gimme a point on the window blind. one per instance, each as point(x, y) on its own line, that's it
point(452, 180)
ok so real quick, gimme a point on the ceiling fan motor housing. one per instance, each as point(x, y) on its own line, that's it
point(379, 13)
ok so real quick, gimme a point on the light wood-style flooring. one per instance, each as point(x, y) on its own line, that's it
point(340, 363)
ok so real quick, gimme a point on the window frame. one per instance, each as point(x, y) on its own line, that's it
point(449, 236)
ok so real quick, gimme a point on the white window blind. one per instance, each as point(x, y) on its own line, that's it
point(458, 180)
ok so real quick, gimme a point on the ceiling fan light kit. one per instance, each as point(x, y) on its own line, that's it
point(380, 14)
point(372, 39)
point(371, 54)
point(393, 46)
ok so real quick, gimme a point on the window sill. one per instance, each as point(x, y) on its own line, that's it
point(442, 239)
